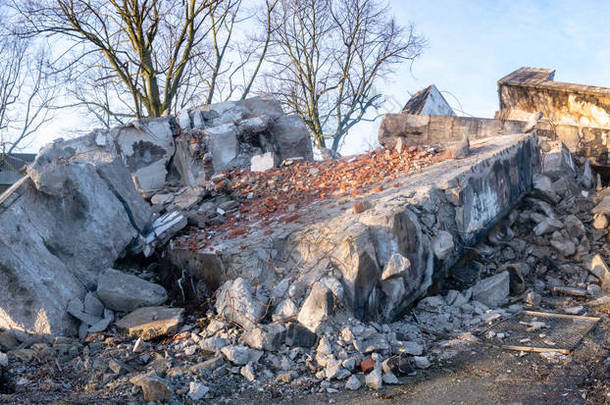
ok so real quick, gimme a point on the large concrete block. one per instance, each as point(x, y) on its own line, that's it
point(73, 216)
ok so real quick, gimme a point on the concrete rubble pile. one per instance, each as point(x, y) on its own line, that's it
point(316, 285)
point(300, 339)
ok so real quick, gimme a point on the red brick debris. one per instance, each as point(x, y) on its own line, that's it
point(276, 196)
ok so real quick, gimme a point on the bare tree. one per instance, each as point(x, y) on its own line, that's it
point(25, 92)
point(138, 58)
point(327, 57)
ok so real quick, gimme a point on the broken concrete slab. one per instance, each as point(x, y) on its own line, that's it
point(151, 322)
point(483, 188)
point(125, 292)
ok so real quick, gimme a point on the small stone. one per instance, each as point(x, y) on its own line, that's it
point(367, 365)
point(574, 310)
point(600, 269)
point(353, 383)
point(600, 221)
point(7, 340)
point(533, 299)
point(3, 360)
point(390, 379)
point(24, 354)
point(115, 366)
point(248, 372)
point(197, 391)
point(138, 346)
point(374, 379)
point(432, 303)
point(421, 362)
point(360, 207)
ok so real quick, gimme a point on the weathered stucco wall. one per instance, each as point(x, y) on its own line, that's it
point(529, 90)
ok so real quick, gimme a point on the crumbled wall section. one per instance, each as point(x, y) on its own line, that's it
point(577, 114)
point(430, 218)
point(439, 129)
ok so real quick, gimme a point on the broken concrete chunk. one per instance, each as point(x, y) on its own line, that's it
point(298, 335)
point(265, 337)
point(162, 199)
point(286, 309)
point(147, 147)
point(264, 162)
point(397, 266)
point(197, 391)
point(241, 355)
point(374, 379)
point(153, 387)
point(93, 306)
point(186, 199)
point(353, 383)
point(443, 245)
point(492, 291)
point(124, 292)
point(236, 303)
point(151, 322)
point(547, 225)
point(600, 269)
point(544, 185)
point(76, 309)
point(574, 226)
point(317, 307)
point(163, 229)
point(103, 324)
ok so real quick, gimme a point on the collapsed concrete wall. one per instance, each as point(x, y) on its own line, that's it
point(576, 114)
point(81, 205)
point(374, 262)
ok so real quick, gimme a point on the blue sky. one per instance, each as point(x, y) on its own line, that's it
point(471, 44)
